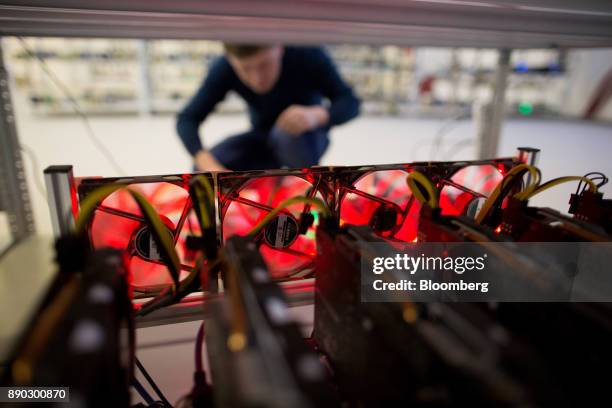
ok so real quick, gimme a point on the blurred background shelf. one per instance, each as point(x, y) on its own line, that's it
point(110, 76)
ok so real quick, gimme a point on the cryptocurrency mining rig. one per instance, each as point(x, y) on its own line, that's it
point(239, 249)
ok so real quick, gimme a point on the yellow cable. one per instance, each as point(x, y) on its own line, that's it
point(44, 328)
point(163, 234)
point(286, 203)
point(203, 183)
point(238, 338)
point(535, 182)
point(560, 180)
point(91, 202)
point(418, 177)
point(535, 179)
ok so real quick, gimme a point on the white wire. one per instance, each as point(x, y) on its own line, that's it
point(446, 127)
point(453, 121)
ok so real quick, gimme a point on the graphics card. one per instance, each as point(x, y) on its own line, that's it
point(407, 347)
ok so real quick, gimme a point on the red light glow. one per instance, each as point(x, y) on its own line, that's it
point(118, 219)
point(480, 179)
point(358, 205)
point(254, 201)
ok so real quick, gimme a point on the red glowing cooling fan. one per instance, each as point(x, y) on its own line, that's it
point(379, 195)
point(379, 198)
point(466, 186)
point(372, 195)
point(118, 223)
point(287, 242)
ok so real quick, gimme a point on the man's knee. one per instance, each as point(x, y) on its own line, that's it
point(225, 152)
point(303, 150)
point(241, 152)
point(279, 137)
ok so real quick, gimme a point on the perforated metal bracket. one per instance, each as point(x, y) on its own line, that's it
point(14, 194)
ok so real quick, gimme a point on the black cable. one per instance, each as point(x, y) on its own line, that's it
point(142, 391)
point(452, 122)
point(167, 297)
point(163, 299)
point(443, 130)
point(201, 393)
point(75, 106)
point(199, 363)
point(152, 383)
point(457, 147)
point(598, 176)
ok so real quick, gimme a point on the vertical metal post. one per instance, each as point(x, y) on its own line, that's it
point(414, 96)
point(14, 194)
point(61, 195)
point(144, 83)
point(489, 128)
point(528, 155)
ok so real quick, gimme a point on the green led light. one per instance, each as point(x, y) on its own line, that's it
point(310, 234)
point(525, 108)
point(316, 217)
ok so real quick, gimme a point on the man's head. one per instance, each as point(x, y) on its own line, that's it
point(257, 66)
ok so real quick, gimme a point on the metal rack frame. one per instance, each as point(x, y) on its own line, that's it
point(489, 23)
point(14, 195)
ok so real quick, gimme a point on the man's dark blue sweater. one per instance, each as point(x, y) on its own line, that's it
point(308, 76)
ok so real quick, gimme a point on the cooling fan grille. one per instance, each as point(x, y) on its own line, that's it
point(380, 197)
point(117, 222)
point(287, 242)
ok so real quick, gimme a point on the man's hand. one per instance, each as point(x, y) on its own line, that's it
point(297, 119)
point(205, 161)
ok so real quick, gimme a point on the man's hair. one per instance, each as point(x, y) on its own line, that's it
point(243, 50)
